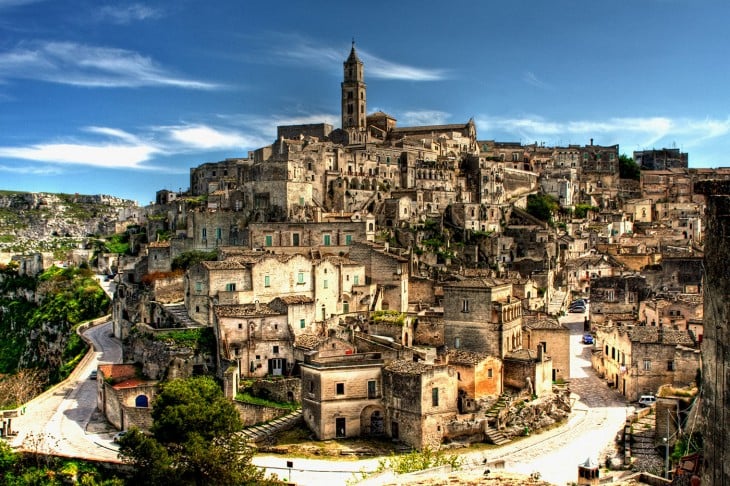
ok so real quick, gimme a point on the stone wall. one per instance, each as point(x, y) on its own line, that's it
point(716, 342)
point(279, 390)
point(257, 414)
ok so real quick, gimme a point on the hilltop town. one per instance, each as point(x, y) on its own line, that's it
point(409, 282)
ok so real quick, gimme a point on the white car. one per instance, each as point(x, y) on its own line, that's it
point(647, 400)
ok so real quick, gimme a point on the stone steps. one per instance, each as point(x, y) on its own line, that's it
point(259, 432)
point(495, 437)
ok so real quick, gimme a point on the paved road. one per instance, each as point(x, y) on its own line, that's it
point(56, 420)
point(598, 416)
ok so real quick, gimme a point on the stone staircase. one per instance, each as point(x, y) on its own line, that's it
point(257, 433)
point(180, 315)
point(497, 407)
point(557, 301)
point(495, 436)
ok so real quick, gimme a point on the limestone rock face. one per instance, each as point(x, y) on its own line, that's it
point(28, 219)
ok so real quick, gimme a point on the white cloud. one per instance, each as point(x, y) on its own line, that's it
point(112, 148)
point(205, 137)
point(124, 14)
point(92, 66)
point(108, 156)
point(32, 170)
point(633, 132)
point(421, 118)
point(301, 50)
point(531, 78)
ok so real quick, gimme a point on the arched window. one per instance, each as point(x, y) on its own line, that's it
point(141, 401)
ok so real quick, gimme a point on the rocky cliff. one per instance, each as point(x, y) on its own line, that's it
point(38, 221)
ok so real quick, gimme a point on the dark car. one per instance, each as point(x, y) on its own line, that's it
point(93, 375)
point(587, 339)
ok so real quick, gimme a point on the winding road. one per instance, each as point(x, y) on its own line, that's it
point(56, 420)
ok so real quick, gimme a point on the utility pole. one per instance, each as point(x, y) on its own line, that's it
point(666, 450)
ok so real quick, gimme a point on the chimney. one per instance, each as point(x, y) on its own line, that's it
point(591, 142)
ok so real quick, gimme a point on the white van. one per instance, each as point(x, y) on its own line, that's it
point(647, 400)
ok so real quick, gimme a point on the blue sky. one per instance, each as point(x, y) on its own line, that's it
point(123, 98)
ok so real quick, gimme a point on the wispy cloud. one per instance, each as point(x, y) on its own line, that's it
point(631, 132)
point(91, 66)
point(15, 3)
point(531, 78)
point(125, 14)
point(31, 170)
point(420, 118)
point(301, 50)
point(112, 148)
point(201, 137)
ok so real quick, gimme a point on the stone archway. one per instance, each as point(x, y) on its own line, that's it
point(372, 421)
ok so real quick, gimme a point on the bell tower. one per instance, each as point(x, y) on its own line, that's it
point(354, 101)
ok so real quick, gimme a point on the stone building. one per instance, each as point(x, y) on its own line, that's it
point(553, 337)
point(123, 397)
point(637, 360)
point(478, 376)
point(342, 396)
point(255, 338)
point(528, 370)
point(481, 315)
point(661, 159)
point(420, 399)
point(716, 342)
point(616, 295)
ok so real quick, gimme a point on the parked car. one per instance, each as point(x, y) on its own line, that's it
point(587, 339)
point(93, 375)
point(577, 309)
point(647, 400)
point(119, 435)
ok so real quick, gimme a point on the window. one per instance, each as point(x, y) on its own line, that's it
point(301, 200)
point(269, 240)
point(204, 234)
point(230, 287)
point(670, 365)
point(340, 388)
point(240, 325)
point(218, 234)
point(300, 278)
point(198, 286)
point(302, 324)
point(435, 397)
point(345, 307)
point(457, 343)
point(325, 284)
point(295, 239)
point(275, 350)
point(489, 373)
point(348, 240)
point(356, 280)
point(647, 365)
point(326, 240)
point(267, 281)
point(544, 346)
point(464, 305)
point(372, 389)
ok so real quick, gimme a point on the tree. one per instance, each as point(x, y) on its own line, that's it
point(194, 440)
point(542, 206)
point(627, 168)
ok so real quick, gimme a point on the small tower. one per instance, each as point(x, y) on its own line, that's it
point(354, 100)
point(588, 473)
